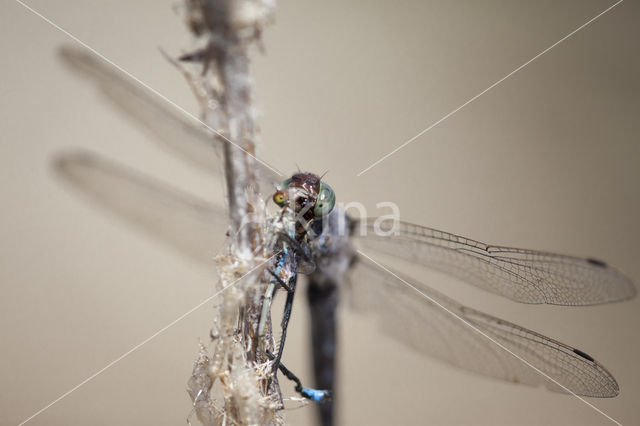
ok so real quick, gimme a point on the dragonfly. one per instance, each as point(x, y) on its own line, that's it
point(341, 251)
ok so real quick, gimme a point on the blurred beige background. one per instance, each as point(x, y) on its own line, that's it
point(549, 159)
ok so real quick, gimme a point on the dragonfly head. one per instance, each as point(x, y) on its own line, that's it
point(306, 195)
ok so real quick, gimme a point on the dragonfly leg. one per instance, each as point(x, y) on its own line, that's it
point(280, 281)
point(285, 323)
point(309, 393)
point(302, 249)
point(266, 307)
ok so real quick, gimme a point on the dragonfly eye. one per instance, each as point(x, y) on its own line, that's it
point(285, 183)
point(325, 202)
point(280, 198)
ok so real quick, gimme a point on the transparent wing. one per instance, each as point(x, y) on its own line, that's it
point(186, 223)
point(195, 228)
point(181, 134)
point(526, 276)
point(414, 318)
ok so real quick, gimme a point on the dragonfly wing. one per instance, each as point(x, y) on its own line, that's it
point(526, 276)
point(440, 327)
point(177, 131)
point(192, 226)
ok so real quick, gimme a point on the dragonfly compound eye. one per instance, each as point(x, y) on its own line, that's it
point(280, 198)
point(285, 183)
point(325, 202)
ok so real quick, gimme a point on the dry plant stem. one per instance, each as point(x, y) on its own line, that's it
point(233, 369)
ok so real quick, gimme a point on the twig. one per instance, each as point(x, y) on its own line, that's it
point(229, 29)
